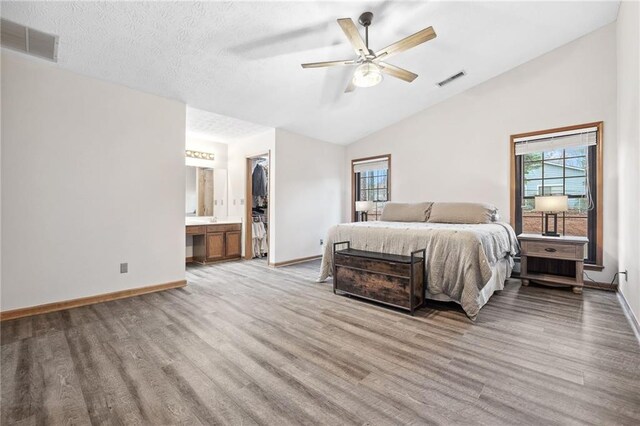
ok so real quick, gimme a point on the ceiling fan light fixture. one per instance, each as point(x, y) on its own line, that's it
point(367, 74)
point(369, 70)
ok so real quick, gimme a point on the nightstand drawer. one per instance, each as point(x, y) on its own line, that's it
point(553, 250)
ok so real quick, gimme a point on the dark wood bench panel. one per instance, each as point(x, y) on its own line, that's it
point(381, 277)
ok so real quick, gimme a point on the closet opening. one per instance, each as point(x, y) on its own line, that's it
point(257, 230)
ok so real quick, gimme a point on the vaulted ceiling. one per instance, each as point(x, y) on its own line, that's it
point(242, 59)
point(220, 128)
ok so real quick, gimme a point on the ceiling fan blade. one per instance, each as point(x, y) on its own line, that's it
point(350, 87)
point(328, 64)
point(407, 43)
point(397, 72)
point(351, 31)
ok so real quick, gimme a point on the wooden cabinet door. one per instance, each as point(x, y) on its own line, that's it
point(232, 243)
point(215, 245)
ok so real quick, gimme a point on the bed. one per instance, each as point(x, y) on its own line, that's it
point(465, 263)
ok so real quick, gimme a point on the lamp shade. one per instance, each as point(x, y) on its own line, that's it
point(552, 203)
point(364, 206)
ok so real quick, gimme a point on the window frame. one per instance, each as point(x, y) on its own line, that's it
point(596, 223)
point(354, 184)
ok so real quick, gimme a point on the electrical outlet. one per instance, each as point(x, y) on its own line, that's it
point(242, 201)
point(124, 268)
point(321, 241)
point(234, 201)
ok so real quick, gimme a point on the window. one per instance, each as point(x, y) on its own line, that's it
point(370, 178)
point(566, 161)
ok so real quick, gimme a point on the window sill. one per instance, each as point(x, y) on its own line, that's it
point(590, 267)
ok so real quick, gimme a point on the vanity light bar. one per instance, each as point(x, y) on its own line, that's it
point(201, 155)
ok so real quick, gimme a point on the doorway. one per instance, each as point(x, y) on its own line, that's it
point(257, 207)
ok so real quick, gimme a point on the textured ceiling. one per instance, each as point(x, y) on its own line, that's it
point(220, 128)
point(242, 59)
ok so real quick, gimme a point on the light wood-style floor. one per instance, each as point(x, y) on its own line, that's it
point(244, 344)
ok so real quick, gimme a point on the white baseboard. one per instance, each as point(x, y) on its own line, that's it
point(295, 261)
point(630, 315)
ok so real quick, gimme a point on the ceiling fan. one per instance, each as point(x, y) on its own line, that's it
point(371, 65)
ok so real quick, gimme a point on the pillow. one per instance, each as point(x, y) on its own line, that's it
point(463, 213)
point(406, 212)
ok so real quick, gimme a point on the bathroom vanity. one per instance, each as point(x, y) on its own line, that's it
point(214, 241)
point(209, 238)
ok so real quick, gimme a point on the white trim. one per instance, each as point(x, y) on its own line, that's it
point(371, 165)
point(556, 134)
point(371, 160)
point(552, 141)
point(633, 321)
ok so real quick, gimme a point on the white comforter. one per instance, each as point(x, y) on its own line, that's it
point(459, 257)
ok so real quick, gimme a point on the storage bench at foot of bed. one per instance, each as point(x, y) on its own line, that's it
point(385, 278)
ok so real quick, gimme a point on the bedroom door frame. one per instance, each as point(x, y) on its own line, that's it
point(248, 233)
point(353, 180)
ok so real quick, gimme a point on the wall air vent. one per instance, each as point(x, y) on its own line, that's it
point(450, 79)
point(27, 40)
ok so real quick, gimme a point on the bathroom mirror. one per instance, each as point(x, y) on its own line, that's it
point(206, 192)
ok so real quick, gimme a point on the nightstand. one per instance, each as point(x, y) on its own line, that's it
point(555, 261)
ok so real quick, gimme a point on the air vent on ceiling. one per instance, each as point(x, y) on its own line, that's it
point(27, 40)
point(450, 79)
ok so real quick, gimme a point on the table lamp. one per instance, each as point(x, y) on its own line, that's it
point(551, 205)
point(363, 208)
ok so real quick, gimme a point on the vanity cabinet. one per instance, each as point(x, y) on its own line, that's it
point(232, 243)
point(195, 230)
point(215, 246)
point(216, 242)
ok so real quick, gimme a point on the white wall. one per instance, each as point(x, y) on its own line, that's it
point(92, 176)
point(311, 188)
point(629, 150)
point(237, 162)
point(458, 150)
